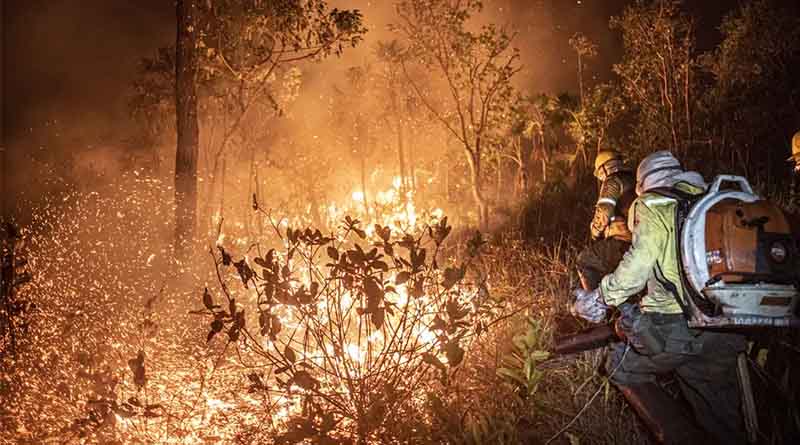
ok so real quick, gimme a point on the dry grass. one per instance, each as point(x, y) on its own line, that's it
point(483, 408)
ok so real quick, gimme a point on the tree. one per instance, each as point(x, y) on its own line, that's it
point(187, 129)
point(658, 74)
point(247, 52)
point(754, 101)
point(476, 69)
point(584, 48)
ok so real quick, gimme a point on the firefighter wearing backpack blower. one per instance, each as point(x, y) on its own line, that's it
point(609, 229)
point(659, 339)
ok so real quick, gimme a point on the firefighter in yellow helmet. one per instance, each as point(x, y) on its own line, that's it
point(795, 190)
point(610, 234)
point(795, 158)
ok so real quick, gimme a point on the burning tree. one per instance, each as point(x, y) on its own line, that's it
point(247, 54)
point(186, 126)
point(476, 69)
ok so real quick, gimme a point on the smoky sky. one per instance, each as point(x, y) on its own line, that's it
point(73, 61)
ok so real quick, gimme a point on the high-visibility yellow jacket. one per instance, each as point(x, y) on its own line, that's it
point(652, 258)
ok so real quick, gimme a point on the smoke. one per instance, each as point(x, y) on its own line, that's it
point(68, 66)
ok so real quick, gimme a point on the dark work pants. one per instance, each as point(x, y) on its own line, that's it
point(703, 361)
point(599, 259)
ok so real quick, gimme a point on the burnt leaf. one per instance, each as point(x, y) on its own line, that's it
point(419, 288)
point(418, 258)
point(373, 292)
point(255, 379)
point(269, 258)
point(433, 360)
point(261, 262)
point(216, 327)
point(137, 368)
point(475, 243)
point(233, 333)
point(226, 257)
point(452, 275)
point(232, 307)
point(333, 253)
point(245, 272)
point(304, 380)
point(290, 355)
point(455, 311)
point(207, 301)
point(408, 242)
point(402, 277)
point(239, 320)
point(372, 254)
point(454, 353)
point(438, 324)
point(441, 231)
point(377, 317)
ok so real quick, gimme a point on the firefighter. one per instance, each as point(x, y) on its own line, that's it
point(610, 234)
point(795, 160)
point(659, 339)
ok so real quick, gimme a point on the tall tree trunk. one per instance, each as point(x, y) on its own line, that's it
point(474, 161)
point(187, 128)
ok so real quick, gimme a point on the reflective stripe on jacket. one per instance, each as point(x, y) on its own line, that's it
point(651, 260)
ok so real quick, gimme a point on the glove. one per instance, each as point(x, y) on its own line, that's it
point(589, 305)
point(600, 221)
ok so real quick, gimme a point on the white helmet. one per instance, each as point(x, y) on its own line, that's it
point(658, 162)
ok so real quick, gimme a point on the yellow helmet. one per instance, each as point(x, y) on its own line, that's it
point(607, 162)
point(795, 157)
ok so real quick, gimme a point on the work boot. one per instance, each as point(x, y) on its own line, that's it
point(664, 416)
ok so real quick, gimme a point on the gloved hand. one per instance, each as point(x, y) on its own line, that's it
point(589, 305)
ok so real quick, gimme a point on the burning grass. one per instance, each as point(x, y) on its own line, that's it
point(385, 329)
